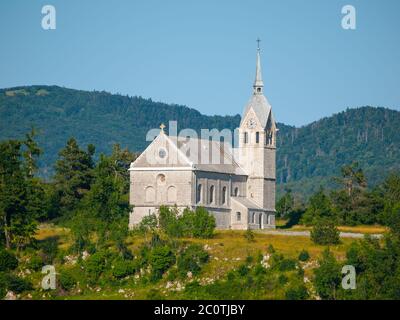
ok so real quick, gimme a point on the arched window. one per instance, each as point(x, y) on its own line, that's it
point(150, 194)
point(246, 137)
point(257, 137)
point(198, 194)
point(223, 195)
point(236, 192)
point(238, 216)
point(171, 194)
point(161, 179)
point(212, 189)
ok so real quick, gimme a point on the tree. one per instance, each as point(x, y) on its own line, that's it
point(325, 232)
point(21, 198)
point(327, 276)
point(285, 204)
point(73, 174)
point(105, 205)
point(198, 224)
point(319, 206)
point(352, 178)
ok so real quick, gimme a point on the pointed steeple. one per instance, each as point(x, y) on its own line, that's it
point(258, 83)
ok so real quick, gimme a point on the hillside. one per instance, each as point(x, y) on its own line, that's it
point(307, 156)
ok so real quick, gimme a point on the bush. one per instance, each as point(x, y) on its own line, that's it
point(95, 265)
point(195, 224)
point(324, 233)
point(3, 285)
point(327, 276)
point(203, 224)
point(169, 222)
point(282, 280)
point(296, 293)
point(160, 259)
point(49, 249)
point(123, 268)
point(192, 259)
point(271, 249)
point(35, 263)
point(287, 265)
point(249, 235)
point(18, 285)
point(304, 255)
point(67, 280)
point(8, 261)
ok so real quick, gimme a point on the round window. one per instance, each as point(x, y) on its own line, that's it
point(162, 153)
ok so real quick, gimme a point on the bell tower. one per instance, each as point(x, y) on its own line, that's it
point(257, 144)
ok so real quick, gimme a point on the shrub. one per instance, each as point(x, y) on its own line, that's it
point(123, 268)
point(169, 222)
point(287, 265)
point(243, 270)
point(95, 265)
point(282, 280)
point(325, 232)
point(304, 255)
point(18, 285)
point(296, 293)
point(67, 280)
point(35, 263)
point(203, 224)
point(249, 235)
point(327, 276)
point(192, 259)
point(3, 284)
point(8, 261)
point(161, 259)
point(271, 249)
point(49, 249)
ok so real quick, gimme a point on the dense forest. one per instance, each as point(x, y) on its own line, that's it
point(307, 156)
point(76, 223)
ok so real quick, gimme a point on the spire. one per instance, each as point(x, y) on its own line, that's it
point(258, 83)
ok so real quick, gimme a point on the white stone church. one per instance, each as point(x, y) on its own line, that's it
point(238, 188)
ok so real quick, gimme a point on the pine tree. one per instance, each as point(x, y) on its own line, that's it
point(74, 174)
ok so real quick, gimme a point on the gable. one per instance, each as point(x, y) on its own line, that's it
point(161, 152)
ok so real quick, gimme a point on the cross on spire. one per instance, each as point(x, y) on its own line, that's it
point(258, 43)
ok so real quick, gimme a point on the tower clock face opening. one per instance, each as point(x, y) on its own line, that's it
point(251, 124)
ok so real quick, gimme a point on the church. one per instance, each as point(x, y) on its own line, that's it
point(238, 189)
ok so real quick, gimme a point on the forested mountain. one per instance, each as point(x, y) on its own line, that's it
point(307, 156)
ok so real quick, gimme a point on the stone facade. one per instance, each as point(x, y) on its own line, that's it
point(240, 193)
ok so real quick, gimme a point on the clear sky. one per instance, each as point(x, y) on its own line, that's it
point(201, 53)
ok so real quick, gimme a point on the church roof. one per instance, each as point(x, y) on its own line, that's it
point(210, 155)
point(193, 153)
point(247, 203)
point(261, 107)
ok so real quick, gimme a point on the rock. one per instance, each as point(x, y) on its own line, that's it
point(85, 255)
point(10, 296)
point(121, 291)
point(189, 275)
point(169, 285)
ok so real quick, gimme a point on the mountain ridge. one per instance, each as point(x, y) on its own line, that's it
point(307, 155)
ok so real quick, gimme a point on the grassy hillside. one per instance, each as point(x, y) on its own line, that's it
point(307, 156)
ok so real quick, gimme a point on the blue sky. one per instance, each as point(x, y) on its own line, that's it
point(202, 53)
